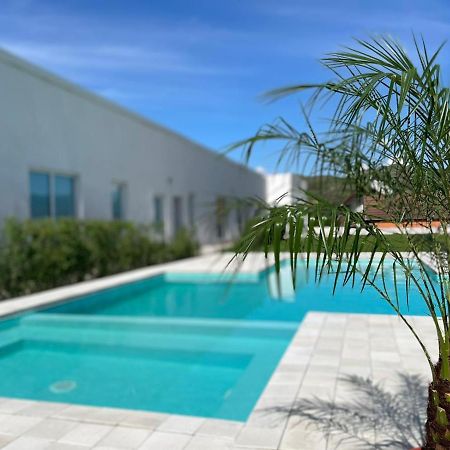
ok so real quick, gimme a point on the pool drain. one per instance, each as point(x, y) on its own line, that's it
point(62, 386)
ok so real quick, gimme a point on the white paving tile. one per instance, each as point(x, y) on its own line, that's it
point(5, 439)
point(208, 443)
point(108, 416)
point(75, 412)
point(239, 447)
point(43, 409)
point(260, 437)
point(13, 405)
point(298, 436)
point(220, 428)
point(166, 441)
point(124, 437)
point(51, 429)
point(181, 424)
point(61, 446)
point(17, 424)
point(146, 420)
point(86, 434)
point(28, 443)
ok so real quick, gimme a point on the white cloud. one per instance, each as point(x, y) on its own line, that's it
point(57, 40)
point(124, 58)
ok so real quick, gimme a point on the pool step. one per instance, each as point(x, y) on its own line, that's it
point(157, 333)
point(264, 328)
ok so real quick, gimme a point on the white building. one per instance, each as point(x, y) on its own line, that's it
point(67, 152)
point(284, 188)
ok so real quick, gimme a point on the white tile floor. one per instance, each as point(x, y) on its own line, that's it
point(325, 347)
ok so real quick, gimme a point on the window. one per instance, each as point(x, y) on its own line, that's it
point(159, 210)
point(177, 214)
point(118, 202)
point(51, 195)
point(221, 216)
point(239, 218)
point(191, 210)
point(39, 195)
point(64, 196)
point(243, 214)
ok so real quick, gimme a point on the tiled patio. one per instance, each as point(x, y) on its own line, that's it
point(326, 347)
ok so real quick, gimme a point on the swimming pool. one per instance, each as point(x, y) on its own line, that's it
point(175, 343)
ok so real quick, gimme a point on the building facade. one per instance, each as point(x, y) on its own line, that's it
point(67, 152)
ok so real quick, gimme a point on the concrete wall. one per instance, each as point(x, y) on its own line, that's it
point(51, 125)
point(284, 188)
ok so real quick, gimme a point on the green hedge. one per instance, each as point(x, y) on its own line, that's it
point(42, 254)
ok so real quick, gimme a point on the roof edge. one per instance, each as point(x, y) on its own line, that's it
point(74, 88)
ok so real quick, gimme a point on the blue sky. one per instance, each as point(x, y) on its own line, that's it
point(199, 66)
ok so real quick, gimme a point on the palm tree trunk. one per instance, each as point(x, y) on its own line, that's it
point(437, 428)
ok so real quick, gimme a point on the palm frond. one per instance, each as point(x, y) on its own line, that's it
point(389, 138)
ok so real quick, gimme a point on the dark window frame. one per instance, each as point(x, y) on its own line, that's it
point(119, 188)
point(53, 206)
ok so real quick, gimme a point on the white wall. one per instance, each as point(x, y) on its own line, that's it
point(284, 188)
point(49, 124)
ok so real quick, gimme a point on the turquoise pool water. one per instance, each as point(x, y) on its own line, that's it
point(243, 297)
point(185, 344)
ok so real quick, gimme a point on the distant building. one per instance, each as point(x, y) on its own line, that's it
point(284, 188)
point(374, 209)
point(357, 203)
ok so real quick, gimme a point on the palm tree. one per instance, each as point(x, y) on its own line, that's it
point(389, 137)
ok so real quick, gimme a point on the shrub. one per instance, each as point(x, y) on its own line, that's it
point(182, 245)
point(42, 254)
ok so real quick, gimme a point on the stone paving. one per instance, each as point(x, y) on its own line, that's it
point(325, 347)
